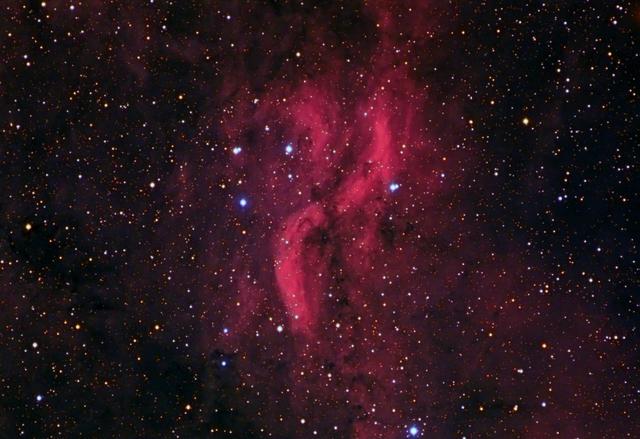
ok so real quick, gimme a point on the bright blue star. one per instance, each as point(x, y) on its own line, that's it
point(225, 330)
point(288, 149)
point(243, 202)
point(223, 363)
point(39, 398)
point(413, 431)
point(237, 150)
point(394, 187)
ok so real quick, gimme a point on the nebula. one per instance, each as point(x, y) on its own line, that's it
point(342, 220)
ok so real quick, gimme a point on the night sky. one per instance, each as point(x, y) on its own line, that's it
point(350, 219)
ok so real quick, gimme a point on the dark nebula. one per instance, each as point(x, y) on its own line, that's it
point(351, 220)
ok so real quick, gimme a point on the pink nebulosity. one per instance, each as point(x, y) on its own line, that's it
point(361, 144)
point(298, 266)
point(372, 147)
point(386, 283)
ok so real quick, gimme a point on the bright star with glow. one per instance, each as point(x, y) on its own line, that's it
point(288, 149)
point(237, 150)
point(39, 398)
point(243, 202)
point(413, 431)
point(394, 187)
point(223, 363)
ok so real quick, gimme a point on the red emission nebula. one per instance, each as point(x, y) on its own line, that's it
point(350, 220)
point(393, 306)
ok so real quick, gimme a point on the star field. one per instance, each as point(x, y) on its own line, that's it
point(351, 219)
